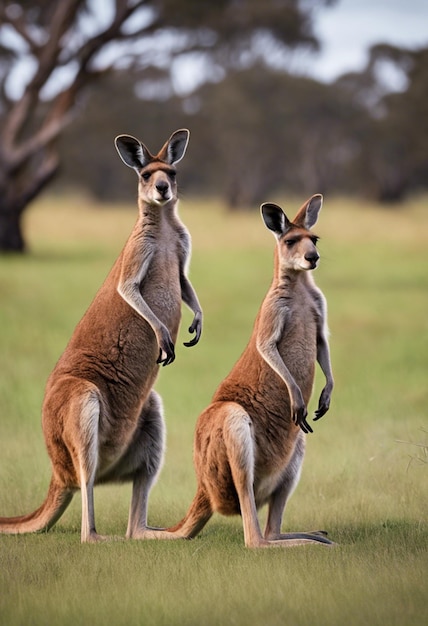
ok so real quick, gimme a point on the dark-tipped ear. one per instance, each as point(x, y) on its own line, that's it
point(308, 213)
point(132, 152)
point(274, 218)
point(175, 148)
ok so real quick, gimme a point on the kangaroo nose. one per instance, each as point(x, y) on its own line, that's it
point(162, 187)
point(312, 257)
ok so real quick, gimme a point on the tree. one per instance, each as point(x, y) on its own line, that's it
point(270, 131)
point(48, 34)
point(65, 46)
point(256, 133)
point(402, 153)
point(394, 149)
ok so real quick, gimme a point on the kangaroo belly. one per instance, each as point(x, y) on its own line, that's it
point(298, 348)
point(161, 290)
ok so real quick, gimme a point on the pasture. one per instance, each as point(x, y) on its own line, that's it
point(365, 475)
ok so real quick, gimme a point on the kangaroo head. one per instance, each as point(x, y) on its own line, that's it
point(296, 243)
point(156, 173)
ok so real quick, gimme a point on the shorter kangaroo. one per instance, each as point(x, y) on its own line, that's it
point(101, 419)
point(250, 441)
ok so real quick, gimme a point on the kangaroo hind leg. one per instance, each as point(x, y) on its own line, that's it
point(82, 439)
point(142, 462)
point(239, 443)
point(278, 501)
point(144, 459)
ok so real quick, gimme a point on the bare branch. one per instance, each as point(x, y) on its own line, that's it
point(18, 24)
point(59, 115)
point(49, 132)
point(63, 17)
point(113, 32)
point(46, 170)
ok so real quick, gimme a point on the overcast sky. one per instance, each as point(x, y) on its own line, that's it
point(346, 32)
point(350, 27)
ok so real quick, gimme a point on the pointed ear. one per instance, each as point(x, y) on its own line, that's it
point(308, 213)
point(275, 218)
point(174, 149)
point(132, 152)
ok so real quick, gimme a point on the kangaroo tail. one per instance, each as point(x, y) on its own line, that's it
point(41, 520)
point(196, 517)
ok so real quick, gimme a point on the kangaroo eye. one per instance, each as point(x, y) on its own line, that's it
point(146, 175)
point(314, 240)
point(172, 175)
point(290, 242)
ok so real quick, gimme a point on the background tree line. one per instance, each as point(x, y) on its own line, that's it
point(261, 131)
point(95, 70)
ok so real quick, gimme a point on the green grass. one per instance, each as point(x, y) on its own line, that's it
point(365, 475)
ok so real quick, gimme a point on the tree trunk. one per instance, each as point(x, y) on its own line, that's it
point(18, 190)
point(11, 237)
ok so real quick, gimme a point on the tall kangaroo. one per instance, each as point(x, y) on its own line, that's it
point(250, 441)
point(102, 420)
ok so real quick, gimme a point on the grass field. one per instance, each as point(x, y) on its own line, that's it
point(365, 476)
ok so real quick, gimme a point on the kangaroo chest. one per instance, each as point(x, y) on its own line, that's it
point(161, 287)
point(298, 343)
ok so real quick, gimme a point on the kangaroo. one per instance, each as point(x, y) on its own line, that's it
point(102, 420)
point(250, 441)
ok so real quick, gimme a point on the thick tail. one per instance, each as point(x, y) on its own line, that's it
point(196, 517)
point(44, 517)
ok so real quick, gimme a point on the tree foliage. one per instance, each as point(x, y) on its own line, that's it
point(400, 154)
point(393, 154)
point(257, 133)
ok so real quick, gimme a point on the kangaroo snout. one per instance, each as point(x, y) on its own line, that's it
point(163, 187)
point(312, 258)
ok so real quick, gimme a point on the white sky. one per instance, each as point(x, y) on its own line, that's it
point(347, 30)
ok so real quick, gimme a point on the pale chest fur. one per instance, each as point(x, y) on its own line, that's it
point(161, 285)
point(298, 342)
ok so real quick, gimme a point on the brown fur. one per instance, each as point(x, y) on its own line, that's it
point(101, 419)
point(250, 442)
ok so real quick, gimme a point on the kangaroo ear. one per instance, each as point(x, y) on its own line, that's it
point(132, 152)
point(275, 218)
point(308, 213)
point(175, 148)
